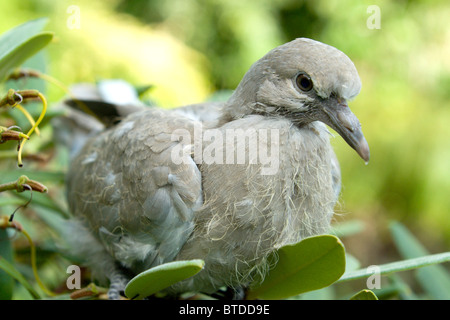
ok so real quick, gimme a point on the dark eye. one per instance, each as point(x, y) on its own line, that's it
point(304, 82)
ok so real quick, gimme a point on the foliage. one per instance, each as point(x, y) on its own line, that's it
point(364, 295)
point(161, 277)
point(403, 108)
point(16, 46)
point(311, 264)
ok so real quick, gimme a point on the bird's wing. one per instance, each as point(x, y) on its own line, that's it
point(110, 114)
point(127, 188)
point(88, 114)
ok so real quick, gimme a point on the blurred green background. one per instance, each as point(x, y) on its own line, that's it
point(191, 49)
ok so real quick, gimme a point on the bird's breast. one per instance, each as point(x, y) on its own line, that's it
point(248, 211)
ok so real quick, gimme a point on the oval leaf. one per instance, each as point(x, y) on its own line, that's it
point(364, 295)
point(20, 43)
point(311, 264)
point(161, 277)
point(16, 36)
point(19, 54)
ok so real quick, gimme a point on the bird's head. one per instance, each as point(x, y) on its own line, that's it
point(305, 81)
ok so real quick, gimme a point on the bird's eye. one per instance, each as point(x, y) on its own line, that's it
point(304, 82)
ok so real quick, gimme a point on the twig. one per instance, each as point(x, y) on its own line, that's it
point(6, 134)
point(18, 185)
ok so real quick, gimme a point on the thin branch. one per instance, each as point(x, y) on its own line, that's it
point(22, 184)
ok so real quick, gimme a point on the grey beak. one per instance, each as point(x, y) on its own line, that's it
point(341, 118)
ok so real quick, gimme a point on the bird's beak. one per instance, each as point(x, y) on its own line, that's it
point(339, 117)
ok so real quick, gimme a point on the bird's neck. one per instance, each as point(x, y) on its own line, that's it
point(239, 106)
point(243, 101)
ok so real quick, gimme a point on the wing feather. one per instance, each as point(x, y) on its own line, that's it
point(128, 191)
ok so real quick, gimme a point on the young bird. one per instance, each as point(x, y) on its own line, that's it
point(136, 206)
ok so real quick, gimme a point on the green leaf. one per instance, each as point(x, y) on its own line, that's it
point(311, 264)
point(21, 33)
point(161, 277)
point(408, 246)
point(20, 43)
point(351, 263)
point(434, 279)
point(12, 271)
point(37, 62)
point(23, 52)
point(41, 176)
point(347, 228)
point(403, 289)
point(142, 90)
point(398, 266)
point(327, 293)
point(5, 201)
point(364, 295)
point(6, 282)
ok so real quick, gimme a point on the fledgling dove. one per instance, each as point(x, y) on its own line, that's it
point(165, 185)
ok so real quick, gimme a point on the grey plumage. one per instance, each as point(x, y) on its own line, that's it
point(136, 208)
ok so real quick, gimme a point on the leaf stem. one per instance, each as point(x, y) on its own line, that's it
point(398, 266)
